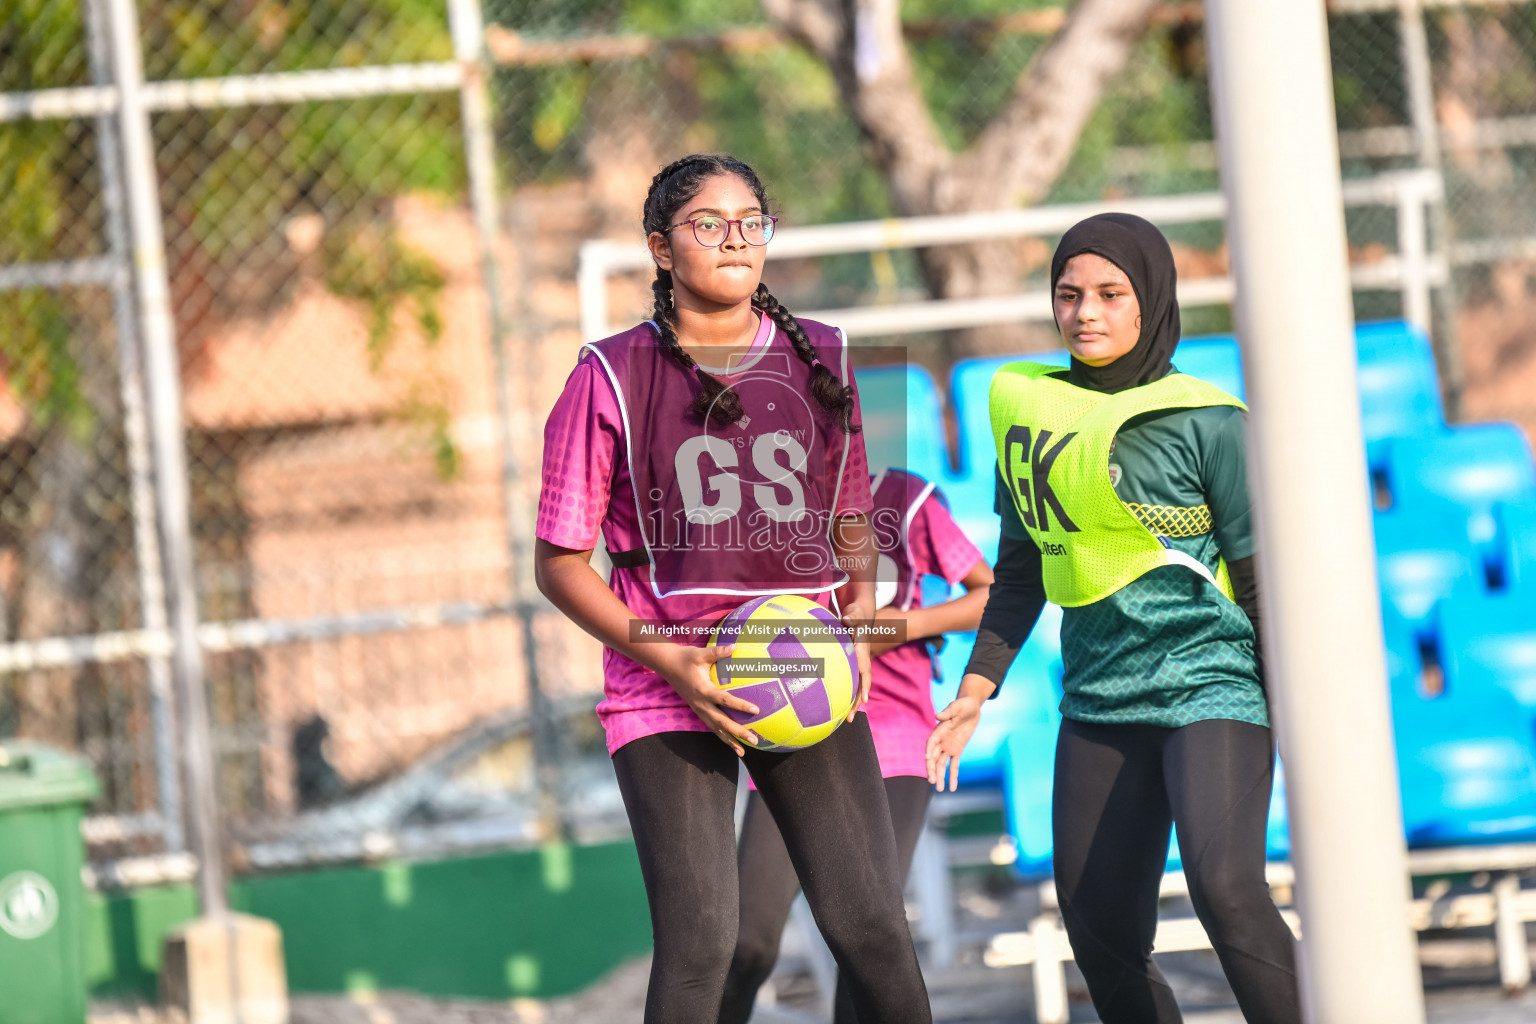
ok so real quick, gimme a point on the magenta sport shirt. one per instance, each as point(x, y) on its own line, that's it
point(588, 492)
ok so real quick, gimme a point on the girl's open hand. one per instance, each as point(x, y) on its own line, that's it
point(956, 724)
point(687, 669)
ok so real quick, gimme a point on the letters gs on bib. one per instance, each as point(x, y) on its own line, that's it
point(1031, 455)
point(712, 487)
point(746, 485)
point(715, 473)
point(761, 486)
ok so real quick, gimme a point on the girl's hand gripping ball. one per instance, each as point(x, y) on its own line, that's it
point(795, 662)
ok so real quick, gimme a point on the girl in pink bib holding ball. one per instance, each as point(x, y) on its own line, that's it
point(716, 448)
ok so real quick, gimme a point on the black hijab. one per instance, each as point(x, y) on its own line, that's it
point(1141, 251)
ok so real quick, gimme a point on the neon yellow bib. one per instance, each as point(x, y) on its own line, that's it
point(1053, 444)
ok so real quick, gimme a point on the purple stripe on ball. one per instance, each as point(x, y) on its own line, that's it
point(837, 631)
point(825, 615)
point(787, 645)
point(809, 698)
point(768, 696)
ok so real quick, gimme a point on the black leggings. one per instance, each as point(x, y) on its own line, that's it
point(769, 884)
point(680, 791)
point(1117, 789)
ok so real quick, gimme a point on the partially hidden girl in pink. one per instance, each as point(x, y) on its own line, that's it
point(716, 447)
point(917, 537)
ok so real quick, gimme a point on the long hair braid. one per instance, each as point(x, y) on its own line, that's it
point(672, 187)
point(714, 400)
point(826, 387)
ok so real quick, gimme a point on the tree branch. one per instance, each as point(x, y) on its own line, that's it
point(1028, 144)
point(861, 43)
point(1025, 147)
point(1014, 160)
point(815, 23)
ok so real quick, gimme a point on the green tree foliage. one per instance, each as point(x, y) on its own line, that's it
point(778, 108)
point(231, 179)
point(234, 176)
point(36, 51)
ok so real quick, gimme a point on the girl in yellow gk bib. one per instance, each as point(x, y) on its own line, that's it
point(1123, 492)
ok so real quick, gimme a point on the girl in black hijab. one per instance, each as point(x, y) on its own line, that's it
point(1141, 252)
point(1164, 719)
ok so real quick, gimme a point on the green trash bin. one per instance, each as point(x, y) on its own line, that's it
point(43, 793)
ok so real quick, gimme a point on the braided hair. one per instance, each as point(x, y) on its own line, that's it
point(672, 187)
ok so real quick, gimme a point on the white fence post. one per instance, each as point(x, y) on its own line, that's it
point(141, 483)
point(1050, 971)
point(1509, 933)
point(1420, 80)
point(1413, 256)
point(168, 438)
point(518, 515)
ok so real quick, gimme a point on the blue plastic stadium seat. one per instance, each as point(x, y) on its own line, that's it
point(1515, 526)
point(1466, 760)
point(1423, 557)
point(936, 590)
point(1405, 646)
point(1399, 386)
point(1488, 642)
point(1466, 768)
point(1403, 641)
point(1014, 745)
point(1277, 831)
point(1474, 465)
point(1214, 358)
point(903, 421)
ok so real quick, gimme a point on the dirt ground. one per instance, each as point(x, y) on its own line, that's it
point(1460, 975)
point(1460, 979)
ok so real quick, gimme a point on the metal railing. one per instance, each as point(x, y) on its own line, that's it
point(1497, 900)
point(1414, 270)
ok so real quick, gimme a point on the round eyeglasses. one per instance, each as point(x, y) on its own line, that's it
point(711, 231)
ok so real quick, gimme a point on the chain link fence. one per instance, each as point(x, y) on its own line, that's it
point(361, 622)
point(356, 478)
